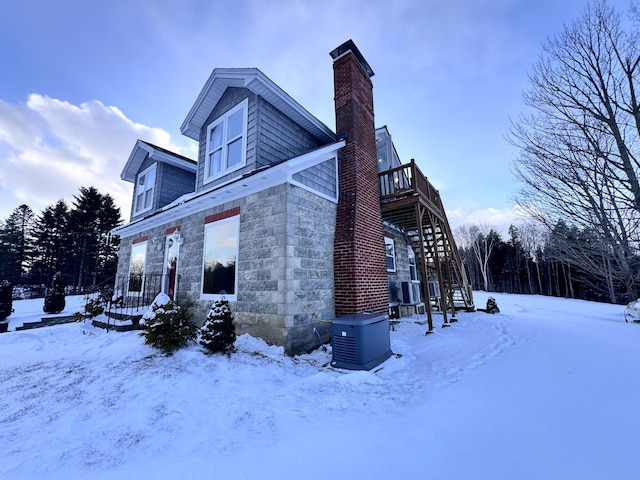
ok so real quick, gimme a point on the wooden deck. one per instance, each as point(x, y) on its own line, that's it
point(408, 200)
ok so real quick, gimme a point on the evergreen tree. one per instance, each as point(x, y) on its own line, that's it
point(51, 238)
point(54, 301)
point(17, 241)
point(91, 219)
point(6, 299)
point(218, 334)
point(168, 326)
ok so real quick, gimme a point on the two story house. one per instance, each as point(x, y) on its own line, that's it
point(291, 222)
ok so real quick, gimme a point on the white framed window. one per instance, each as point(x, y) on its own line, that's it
point(144, 190)
point(413, 271)
point(390, 251)
point(136, 268)
point(226, 142)
point(220, 259)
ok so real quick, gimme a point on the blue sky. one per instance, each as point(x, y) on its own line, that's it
point(82, 80)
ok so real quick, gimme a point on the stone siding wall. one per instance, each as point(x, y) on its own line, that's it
point(285, 264)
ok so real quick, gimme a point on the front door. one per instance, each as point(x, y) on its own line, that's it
point(171, 255)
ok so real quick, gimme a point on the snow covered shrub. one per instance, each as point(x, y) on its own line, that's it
point(218, 334)
point(54, 300)
point(93, 308)
point(6, 299)
point(168, 326)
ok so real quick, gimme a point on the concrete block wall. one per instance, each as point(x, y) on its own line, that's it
point(285, 264)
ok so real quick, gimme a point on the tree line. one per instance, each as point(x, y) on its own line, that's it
point(71, 239)
point(563, 261)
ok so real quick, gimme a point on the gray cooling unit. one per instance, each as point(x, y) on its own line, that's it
point(360, 341)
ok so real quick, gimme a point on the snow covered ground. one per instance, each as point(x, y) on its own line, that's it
point(547, 389)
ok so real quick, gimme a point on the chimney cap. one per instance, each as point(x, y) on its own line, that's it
point(350, 46)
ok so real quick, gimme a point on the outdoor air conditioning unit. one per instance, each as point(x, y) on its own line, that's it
point(411, 292)
point(360, 341)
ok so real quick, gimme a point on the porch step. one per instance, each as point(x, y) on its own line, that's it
point(135, 324)
point(48, 321)
point(134, 317)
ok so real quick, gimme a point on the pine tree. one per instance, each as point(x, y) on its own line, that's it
point(16, 236)
point(91, 219)
point(54, 301)
point(168, 326)
point(51, 237)
point(218, 334)
point(6, 299)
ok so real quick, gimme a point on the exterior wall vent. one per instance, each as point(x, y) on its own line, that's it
point(360, 341)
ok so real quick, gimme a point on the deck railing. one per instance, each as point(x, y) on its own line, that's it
point(405, 181)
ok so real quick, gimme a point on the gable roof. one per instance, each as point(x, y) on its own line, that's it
point(143, 149)
point(257, 82)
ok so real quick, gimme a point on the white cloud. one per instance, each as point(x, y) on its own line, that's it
point(499, 220)
point(50, 148)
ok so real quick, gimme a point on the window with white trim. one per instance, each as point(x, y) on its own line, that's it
point(413, 271)
point(220, 260)
point(390, 251)
point(136, 267)
point(226, 142)
point(144, 190)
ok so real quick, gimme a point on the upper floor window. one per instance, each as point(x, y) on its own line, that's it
point(144, 189)
point(226, 142)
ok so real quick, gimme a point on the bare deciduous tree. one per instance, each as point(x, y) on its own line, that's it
point(481, 239)
point(579, 158)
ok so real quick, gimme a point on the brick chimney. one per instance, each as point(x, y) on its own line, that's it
point(360, 273)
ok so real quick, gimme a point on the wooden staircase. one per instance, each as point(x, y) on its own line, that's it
point(408, 200)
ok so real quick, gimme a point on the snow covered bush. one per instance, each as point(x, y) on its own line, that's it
point(218, 334)
point(93, 307)
point(6, 299)
point(168, 326)
point(54, 301)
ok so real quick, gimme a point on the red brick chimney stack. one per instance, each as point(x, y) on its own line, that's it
point(360, 273)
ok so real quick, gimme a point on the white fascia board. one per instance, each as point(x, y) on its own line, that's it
point(235, 189)
point(137, 156)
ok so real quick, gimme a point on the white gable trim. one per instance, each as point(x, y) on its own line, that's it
point(256, 81)
point(142, 149)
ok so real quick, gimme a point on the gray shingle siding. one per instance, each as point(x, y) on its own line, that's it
point(271, 136)
point(321, 178)
point(172, 183)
